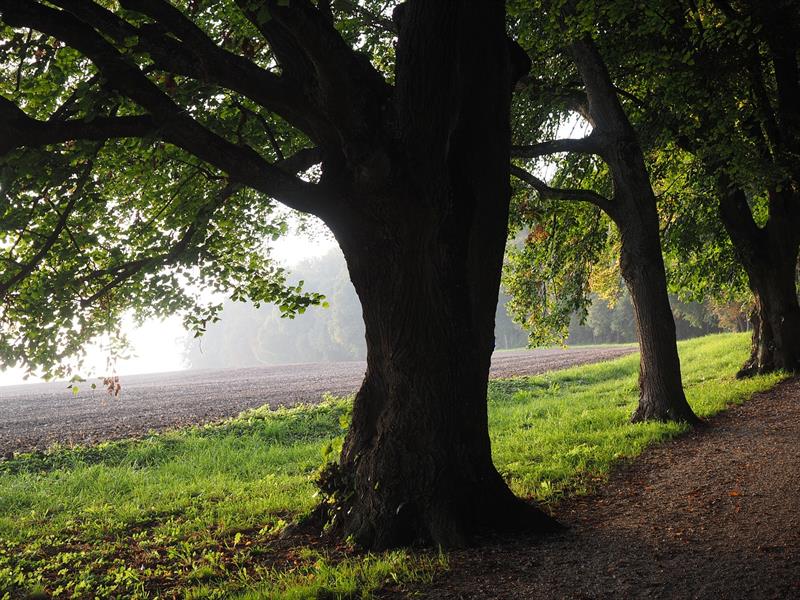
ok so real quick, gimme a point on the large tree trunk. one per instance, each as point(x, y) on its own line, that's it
point(425, 258)
point(769, 256)
point(417, 459)
point(634, 210)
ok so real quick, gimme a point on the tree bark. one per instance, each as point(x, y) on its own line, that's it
point(425, 257)
point(661, 395)
point(634, 210)
point(769, 256)
point(776, 318)
point(417, 459)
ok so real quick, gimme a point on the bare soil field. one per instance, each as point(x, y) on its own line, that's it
point(35, 416)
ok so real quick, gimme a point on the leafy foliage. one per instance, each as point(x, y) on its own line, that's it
point(708, 90)
point(163, 234)
point(548, 275)
point(92, 227)
point(698, 82)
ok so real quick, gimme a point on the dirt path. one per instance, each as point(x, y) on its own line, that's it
point(713, 514)
point(35, 416)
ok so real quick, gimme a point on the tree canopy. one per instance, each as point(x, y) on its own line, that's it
point(108, 208)
point(706, 87)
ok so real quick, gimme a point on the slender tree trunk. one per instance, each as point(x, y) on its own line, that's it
point(661, 395)
point(634, 210)
point(769, 256)
point(425, 257)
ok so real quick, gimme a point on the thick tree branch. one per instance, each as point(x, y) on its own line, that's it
point(737, 217)
point(21, 130)
point(243, 164)
point(223, 67)
point(605, 109)
point(550, 193)
point(311, 51)
point(189, 51)
point(585, 145)
point(761, 96)
point(300, 161)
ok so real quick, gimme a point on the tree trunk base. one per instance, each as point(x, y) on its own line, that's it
point(751, 368)
point(664, 412)
point(455, 524)
point(450, 530)
point(775, 342)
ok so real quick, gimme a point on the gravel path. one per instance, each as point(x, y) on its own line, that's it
point(35, 416)
point(712, 514)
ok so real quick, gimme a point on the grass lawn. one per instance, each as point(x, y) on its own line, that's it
point(195, 513)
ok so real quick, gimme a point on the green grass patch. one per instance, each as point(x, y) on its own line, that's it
point(194, 513)
point(561, 432)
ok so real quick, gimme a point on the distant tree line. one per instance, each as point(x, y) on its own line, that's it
point(249, 336)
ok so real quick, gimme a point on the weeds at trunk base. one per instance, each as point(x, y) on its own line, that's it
point(336, 490)
point(765, 354)
point(751, 369)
